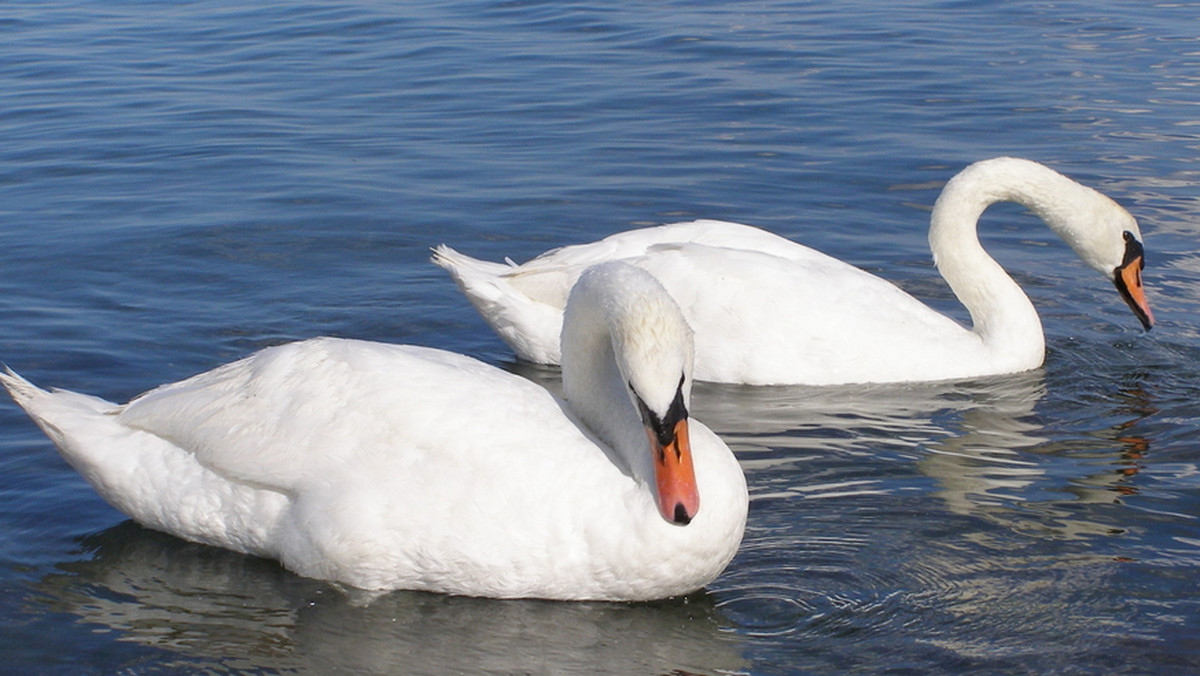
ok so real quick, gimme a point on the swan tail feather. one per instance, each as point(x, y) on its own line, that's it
point(145, 476)
point(51, 409)
point(458, 263)
point(512, 301)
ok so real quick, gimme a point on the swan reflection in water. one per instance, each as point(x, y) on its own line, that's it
point(223, 609)
point(982, 442)
point(1004, 467)
point(970, 511)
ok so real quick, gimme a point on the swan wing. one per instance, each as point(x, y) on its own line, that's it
point(303, 411)
point(764, 319)
point(523, 303)
point(550, 276)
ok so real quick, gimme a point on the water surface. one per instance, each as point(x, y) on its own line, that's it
point(182, 184)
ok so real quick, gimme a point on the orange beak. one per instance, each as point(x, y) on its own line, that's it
point(1128, 279)
point(678, 497)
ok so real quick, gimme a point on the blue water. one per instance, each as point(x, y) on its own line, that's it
point(182, 183)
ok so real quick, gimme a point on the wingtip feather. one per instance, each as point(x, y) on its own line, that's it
point(445, 257)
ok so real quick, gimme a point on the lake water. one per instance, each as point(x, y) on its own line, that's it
point(183, 183)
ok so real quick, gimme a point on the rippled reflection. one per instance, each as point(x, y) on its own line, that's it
point(889, 428)
point(982, 443)
point(961, 508)
point(229, 611)
point(1004, 466)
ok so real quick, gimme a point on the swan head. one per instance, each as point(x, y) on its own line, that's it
point(621, 329)
point(1128, 278)
point(1106, 237)
point(1113, 247)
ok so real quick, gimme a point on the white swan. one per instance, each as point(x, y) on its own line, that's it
point(769, 311)
point(400, 467)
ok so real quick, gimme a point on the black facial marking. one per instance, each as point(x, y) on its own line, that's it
point(1133, 252)
point(1133, 249)
point(664, 428)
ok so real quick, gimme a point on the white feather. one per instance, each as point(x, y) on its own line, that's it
point(399, 467)
point(769, 311)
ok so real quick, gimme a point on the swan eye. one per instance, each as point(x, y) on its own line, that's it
point(1133, 250)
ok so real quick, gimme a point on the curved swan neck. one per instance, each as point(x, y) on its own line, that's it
point(1001, 312)
point(594, 387)
point(1059, 201)
point(621, 330)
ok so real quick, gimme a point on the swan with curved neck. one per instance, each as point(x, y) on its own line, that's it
point(769, 311)
point(399, 467)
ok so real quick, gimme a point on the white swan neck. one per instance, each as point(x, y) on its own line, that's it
point(1002, 315)
point(595, 390)
point(621, 330)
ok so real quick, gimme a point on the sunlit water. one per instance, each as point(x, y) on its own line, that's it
point(183, 183)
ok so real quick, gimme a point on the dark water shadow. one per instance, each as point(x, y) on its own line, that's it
point(225, 611)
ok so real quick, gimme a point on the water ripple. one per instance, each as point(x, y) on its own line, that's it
point(184, 185)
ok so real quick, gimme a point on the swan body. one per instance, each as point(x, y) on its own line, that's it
point(400, 467)
point(769, 311)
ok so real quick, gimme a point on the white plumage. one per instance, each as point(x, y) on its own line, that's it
point(769, 311)
point(400, 467)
